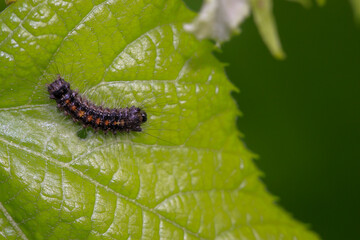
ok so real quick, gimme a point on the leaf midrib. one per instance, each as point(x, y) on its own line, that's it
point(97, 184)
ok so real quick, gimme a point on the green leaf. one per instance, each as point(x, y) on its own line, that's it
point(191, 178)
point(8, 228)
point(265, 21)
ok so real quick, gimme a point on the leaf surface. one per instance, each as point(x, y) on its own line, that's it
point(187, 176)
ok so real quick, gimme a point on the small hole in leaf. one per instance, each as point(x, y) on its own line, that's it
point(194, 5)
point(83, 133)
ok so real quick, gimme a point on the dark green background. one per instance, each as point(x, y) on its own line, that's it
point(301, 115)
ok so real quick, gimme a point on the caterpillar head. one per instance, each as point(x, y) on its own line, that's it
point(58, 88)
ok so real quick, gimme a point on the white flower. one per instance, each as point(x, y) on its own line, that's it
point(218, 19)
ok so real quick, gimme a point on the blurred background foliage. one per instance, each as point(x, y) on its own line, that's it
point(301, 115)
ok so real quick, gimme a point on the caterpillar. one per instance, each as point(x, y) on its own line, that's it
point(90, 115)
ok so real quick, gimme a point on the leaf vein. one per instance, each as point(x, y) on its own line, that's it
point(12, 222)
point(97, 184)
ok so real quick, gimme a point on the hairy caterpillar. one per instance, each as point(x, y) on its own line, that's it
point(158, 99)
point(90, 115)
